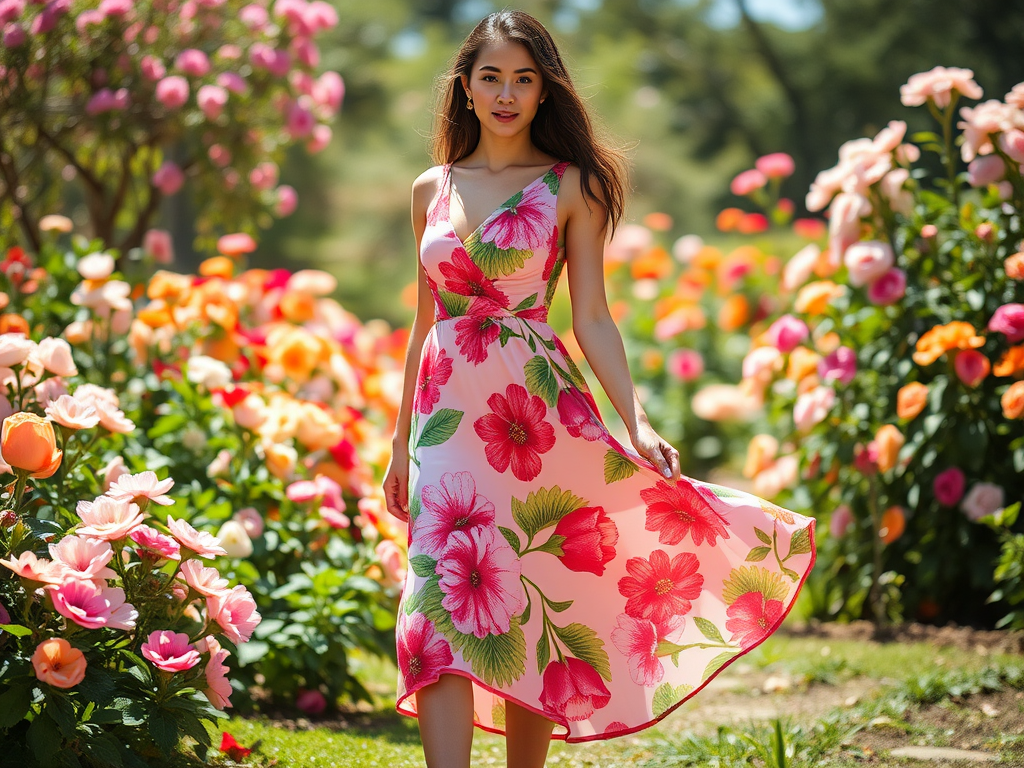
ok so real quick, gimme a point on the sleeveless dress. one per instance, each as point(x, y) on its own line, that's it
point(549, 564)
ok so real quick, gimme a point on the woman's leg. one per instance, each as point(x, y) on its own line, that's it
point(445, 713)
point(527, 737)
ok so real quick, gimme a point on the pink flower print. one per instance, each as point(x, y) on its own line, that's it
point(577, 416)
point(454, 506)
point(422, 652)
point(590, 538)
point(464, 277)
point(573, 690)
point(435, 370)
point(659, 589)
point(480, 579)
point(752, 617)
point(637, 639)
point(170, 651)
point(516, 432)
point(474, 333)
point(677, 510)
point(525, 223)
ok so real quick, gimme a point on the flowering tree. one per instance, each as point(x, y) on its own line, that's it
point(893, 373)
point(128, 100)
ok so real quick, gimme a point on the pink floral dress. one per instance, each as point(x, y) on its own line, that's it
point(549, 564)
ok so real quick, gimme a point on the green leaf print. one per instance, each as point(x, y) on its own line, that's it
point(414, 507)
point(429, 604)
point(716, 664)
point(423, 565)
point(454, 304)
point(525, 617)
point(543, 508)
point(800, 544)
point(575, 374)
point(540, 380)
point(553, 182)
point(492, 260)
point(512, 538)
point(764, 536)
point(585, 645)
point(440, 426)
point(757, 554)
point(526, 303)
point(617, 467)
point(708, 629)
point(498, 660)
point(552, 284)
point(553, 546)
point(723, 493)
point(753, 578)
point(498, 713)
point(543, 650)
point(504, 334)
point(559, 605)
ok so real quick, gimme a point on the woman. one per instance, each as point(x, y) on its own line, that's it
point(560, 584)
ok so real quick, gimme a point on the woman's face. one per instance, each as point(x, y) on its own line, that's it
point(506, 87)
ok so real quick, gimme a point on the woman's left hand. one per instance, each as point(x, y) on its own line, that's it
point(657, 450)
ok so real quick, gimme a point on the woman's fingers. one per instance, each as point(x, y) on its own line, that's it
point(392, 493)
point(672, 455)
point(658, 459)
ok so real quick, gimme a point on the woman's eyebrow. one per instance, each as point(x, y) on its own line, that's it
point(490, 68)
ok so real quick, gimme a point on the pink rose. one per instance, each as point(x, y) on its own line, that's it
point(319, 140)
point(300, 120)
point(152, 68)
point(980, 123)
point(251, 520)
point(219, 156)
point(232, 81)
point(255, 17)
point(972, 367)
point(888, 139)
point(306, 52)
point(839, 365)
point(685, 364)
point(157, 243)
point(320, 15)
point(840, 521)
point(777, 165)
point(748, 182)
point(11, 10)
point(329, 90)
point(800, 267)
point(193, 62)
point(168, 178)
point(263, 176)
point(14, 36)
point(235, 612)
point(276, 62)
point(867, 261)
point(92, 606)
point(938, 84)
point(844, 223)
point(391, 560)
point(1012, 143)
point(106, 100)
point(172, 91)
point(287, 201)
point(151, 540)
point(983, 499)
point(116, 8)
point(889, 288)
point(1009, 320)
point(170, 651)
point(812, 407)
point(787, 333)
point(211, 99)
point(986, 170)
point(948, 486)
point(761, 363)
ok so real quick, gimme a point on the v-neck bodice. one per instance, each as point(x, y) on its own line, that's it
point(508, 265)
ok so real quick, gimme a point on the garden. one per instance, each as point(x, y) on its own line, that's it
point(197, 563)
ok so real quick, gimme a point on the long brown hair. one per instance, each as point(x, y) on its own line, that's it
point(561, 128)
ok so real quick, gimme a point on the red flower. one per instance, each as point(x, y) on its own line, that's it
point(577, 416)
point(422, 652)
point(516, 432)
point(232, 748)
point(475, 332)
point(590, 537)
point(435, 370)
point(553, 251)
point(573, 690)
point(675, 511)
point(751, 618)
point(464, 277)
point(657, 589)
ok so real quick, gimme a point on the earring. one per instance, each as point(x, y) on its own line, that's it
point(469, 104)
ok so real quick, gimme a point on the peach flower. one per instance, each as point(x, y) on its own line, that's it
point(1012, 401)
point(201, 543)
point(777, 476)
point(815, 298)
point(107, 518)
point(1014, 266)
point(206, 581)
point(911, 399)
point(53, 355)
point(888, 440)
point(938, 85)
point(14, 349)
point(96, 266)
point(142, 487)
point(812, 407)
point(59, 664)
point(761, 452)
point(32, 568)
point(800, 267)
point(867, 261)
point(234, 539)
point(72, 413)
point(27, 442)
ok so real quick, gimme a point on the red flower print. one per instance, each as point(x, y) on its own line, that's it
point(553, 250)
point(525, 224)
point(657, 589)
point(573, 690)
point(464, 277)
point(590, 537)
point(435, 370)
point(637, 639)
point(422, 652)
point(480, 579)
point(677, 510)
point(455, 506)
point(515, 432)
point(475, 332)
point(751, 618)
point(574, 411)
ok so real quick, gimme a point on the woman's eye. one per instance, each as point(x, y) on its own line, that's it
point(489, 78)
point(525, 79)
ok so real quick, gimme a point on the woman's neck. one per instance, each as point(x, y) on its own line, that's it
point(496, 153)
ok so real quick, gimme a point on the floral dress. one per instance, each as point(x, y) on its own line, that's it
point(549, 564)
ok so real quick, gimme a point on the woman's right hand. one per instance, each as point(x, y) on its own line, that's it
point(396, 483)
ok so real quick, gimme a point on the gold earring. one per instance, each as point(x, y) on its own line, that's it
point(469, 104)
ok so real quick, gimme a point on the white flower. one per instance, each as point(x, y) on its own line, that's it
point(14, 349)
point(72, 413)
point(234, 539)
point(143, 485)
point(983, 499)
point(208, 372)
point(96, 266)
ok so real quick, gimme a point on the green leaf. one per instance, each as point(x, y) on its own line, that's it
point(553, 182)
point(800, 544)
point(526, 303)
point(543, 650)
point(708, 629)
point(757, 554)
point(498, 713)
point(455, 305)
point(63, 713)
point(532, 343)
point(504, 334)
point(440, 426)
point(512, 538)
point(163, 727)
point(559, 606)
point(525, 616)
point(617, 467)
point(498, 660)
point(553, 546)
point(664, 699)
point(16, 629)
point(492, 260)
point(540, 379)
point(423, 565)
point(44, 739)
point(716, 664)
point(414, 507)
point(543, 508)
point(764, 536)
point(15, 704)
point(104, 748)
point(585, 645)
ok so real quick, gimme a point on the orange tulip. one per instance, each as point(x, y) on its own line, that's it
point(1013, 401)
point(889, 441)
point(56, 662)
point(911, 400)
point(894, 522)
point(27, 443)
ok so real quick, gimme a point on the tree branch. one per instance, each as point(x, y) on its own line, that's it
point(10, 173)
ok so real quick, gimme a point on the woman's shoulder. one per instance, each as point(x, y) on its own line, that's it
point(426, 185)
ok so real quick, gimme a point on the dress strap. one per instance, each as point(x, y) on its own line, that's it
point(559, 168)
point(438, 210)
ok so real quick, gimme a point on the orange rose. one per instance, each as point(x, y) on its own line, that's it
point(280, 459)
point(12, 323)
point(894, 522)
point(217, 266)
point(1011, 363)
point(56, 662)
point(814, 298)
point(654, 263)
point(1014, 266)
point(911, 400)
point(728, 219)
point(760, 454)
point(1013, 401)
point(296, 351)
point(889, 441)
point(934, 343)
point(828, 343)
point(168, 285)
point(802, 362)
point(27, 443)
point(707, 257)
point(734, 312)
point(658, 221)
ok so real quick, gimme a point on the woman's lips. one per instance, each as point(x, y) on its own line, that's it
point(505, 117)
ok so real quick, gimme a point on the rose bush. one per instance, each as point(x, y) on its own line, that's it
point(894, 392)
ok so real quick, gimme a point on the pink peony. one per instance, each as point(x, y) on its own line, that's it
point(813, 407)
point(685, 364)
point(107, 518)
point(211, 100)
point(839, 365)
point(867, 261)
point(143, 487)
point(172, 91)
point(889, 288)
point(777, 165)
point(983, 499)
point(983, 171)
point(938, 85)
point(152, 540)
point(787, 333)
point(83, 558)
point(193, 62)
point(971, 366)
point(92, 606)
point(170, 651)
point(747, 182)
point(1009, 320)
point(200, 543)
point(236, 613)
point(168, 178)
point(949, 485)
